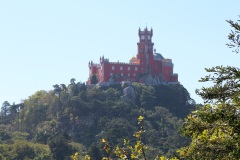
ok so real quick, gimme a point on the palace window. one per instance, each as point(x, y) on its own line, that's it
point(128, 74)
point(111, 74)
point(136, 68)
point(134, 74)
point(113, 68)
point(129, 68)
point(121, 74)
point(121, 68)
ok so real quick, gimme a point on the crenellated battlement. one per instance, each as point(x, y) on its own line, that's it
point(123, 63)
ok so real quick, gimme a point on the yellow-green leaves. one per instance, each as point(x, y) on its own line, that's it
point(103, 140)
point(125, 142)
point(134, 150)
point(164, 158)
point(75, 156)
point(87, 157)
point(140, 118)
point(213, 131)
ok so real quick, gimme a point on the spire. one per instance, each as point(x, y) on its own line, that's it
point(146, 29)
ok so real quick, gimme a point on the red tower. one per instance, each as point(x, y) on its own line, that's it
point(145, 50)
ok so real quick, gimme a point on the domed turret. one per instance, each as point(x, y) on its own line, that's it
point(133, 60)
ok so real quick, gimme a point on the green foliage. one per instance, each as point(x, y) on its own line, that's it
point(5, 132)
point(176, 98)
point(214, 128)
point(148, 96)
point(5, 108)
point(35, 110)
point(24, 150)
point(94, 79)
point(214, 132)
point(173, 97)
point(19, 135)
point(80, 148)
point(234, 35)
point(95, 153)
point(44, 130)
point(128, 151)
point(88, 113)
point(60, 149)
point(226, 84)
point(117, 128)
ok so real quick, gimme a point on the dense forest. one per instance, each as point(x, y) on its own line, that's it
point(75, 117)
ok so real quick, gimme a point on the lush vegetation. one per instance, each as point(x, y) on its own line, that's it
point(215, 127)
point(76, 121)
point(75, 117)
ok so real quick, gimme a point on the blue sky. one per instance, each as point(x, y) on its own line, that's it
point(43, 43)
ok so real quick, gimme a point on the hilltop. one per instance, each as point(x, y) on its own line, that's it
point(76, 116)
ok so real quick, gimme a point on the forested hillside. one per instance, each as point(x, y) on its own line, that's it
point(75, 117)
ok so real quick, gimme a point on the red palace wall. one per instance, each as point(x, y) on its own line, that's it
point(121, 71)
point(167, 72)
point(157, 68)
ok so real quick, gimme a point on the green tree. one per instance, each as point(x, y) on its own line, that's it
point(95, 153)
point(148, 98)
point(117, 129)
point(57, 90)
point(176, 98)
point(215, 127)
point(94, 79)
point(72, 81)
point(8, 113)
point(60, 148)
point(24, 150)
point(234, 36)
point(63, 87)
point(35, 110)
point(5, 109)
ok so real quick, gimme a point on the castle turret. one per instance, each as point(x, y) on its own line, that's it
point(145, 49)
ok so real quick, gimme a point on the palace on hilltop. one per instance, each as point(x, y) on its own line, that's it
point(147, 67)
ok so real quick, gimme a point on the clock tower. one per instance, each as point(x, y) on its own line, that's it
point(145, 49)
